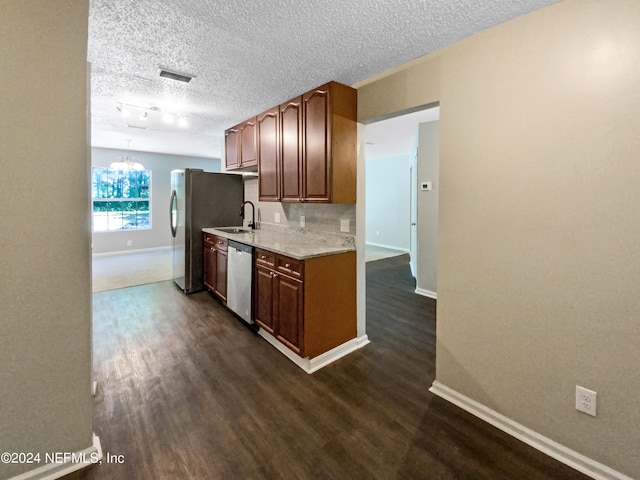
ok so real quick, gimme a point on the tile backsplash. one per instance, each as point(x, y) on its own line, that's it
point(318, 217)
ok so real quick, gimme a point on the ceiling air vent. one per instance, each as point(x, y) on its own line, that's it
point(180, 77)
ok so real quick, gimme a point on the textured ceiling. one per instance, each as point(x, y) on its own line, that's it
point(250, 55)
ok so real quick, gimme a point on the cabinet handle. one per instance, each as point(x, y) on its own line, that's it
point(263, 257)
point(213, 249)
point(287, 265)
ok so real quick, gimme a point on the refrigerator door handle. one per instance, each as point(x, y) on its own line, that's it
point(173, 203)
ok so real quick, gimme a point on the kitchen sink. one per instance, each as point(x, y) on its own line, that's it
point(233, 229)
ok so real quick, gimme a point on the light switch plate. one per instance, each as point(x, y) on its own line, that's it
point(344, 225)
point(426, 186)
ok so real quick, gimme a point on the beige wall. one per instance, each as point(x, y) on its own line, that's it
point(539, 228)
point(45, 324)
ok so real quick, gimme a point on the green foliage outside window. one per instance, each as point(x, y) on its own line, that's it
point(121, 199)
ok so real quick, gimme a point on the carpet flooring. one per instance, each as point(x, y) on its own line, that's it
point(120, 270)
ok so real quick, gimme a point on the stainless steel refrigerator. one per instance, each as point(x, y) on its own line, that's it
point(199, 199)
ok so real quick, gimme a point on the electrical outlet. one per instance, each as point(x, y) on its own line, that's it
point(586, 400)
point(277, 217)
point(302, 221)
point(129, 243)
point(344, 225)
point(426, 186)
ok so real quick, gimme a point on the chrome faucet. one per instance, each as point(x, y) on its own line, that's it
point(253, 213)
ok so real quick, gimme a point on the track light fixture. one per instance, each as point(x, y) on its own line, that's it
point(145, 114)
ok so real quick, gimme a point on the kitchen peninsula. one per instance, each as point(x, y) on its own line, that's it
point(304, 290)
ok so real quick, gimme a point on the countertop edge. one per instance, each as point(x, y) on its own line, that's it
point(235, 237)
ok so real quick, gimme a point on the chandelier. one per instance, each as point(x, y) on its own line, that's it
point(127, 163)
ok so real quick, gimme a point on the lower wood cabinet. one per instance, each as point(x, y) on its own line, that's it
point(263, 298)
point(308, 305)
point(215, 265)
point(289, 312)
point(221, 273)
point(209, 256)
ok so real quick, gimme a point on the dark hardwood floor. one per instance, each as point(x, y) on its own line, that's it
point(186, 391)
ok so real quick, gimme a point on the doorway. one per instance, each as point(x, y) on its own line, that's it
point(399, 216)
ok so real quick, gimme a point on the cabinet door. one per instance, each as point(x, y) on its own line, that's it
point(268, 155)
point(231, 140)
point(291, 150)
point(221, 274)
point(316, 155)
point(210, 268)
point(289, 312)
point(247, 157)
point(264, 298)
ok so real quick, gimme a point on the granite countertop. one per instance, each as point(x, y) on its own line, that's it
point(292, 242)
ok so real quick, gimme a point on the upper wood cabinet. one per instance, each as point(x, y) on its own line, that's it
point(268, 154)
point(240, 145)
point(316, 144)
point(231, 151)
point(291, 150)
point(316, 155)
point(248, 156)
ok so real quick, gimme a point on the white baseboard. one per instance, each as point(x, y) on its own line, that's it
point(52, 471)
point(555, 450)
point(426, 293)
point(388, 247)
point(336, 353)
point(139, 250)
point(311, 365)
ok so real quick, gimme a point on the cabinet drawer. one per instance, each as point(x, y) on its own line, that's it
point(265, 258)
point(290, 266)
point(221, 243)
point(209, 238)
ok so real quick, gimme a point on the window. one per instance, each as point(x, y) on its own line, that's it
point(121, 199)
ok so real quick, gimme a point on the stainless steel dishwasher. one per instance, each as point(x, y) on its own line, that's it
point(239, 279)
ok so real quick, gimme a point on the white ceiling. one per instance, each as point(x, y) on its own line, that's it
point(250, 55)
point(396, 136)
